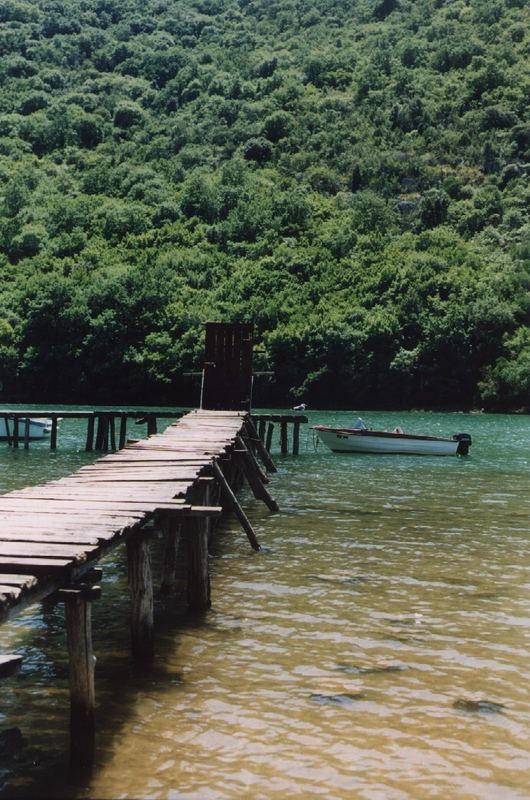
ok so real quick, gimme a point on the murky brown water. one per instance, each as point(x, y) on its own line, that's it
point(378, 647)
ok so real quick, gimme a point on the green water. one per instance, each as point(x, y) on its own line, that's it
point(345, 660)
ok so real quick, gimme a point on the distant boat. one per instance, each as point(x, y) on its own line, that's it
point(301, 407)
point(360, 439)
point(38, 428)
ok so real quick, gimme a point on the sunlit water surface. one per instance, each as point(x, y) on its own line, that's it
point(377, 647)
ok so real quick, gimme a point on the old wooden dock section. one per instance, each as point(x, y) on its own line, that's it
point(106, 428)
point(53, 536)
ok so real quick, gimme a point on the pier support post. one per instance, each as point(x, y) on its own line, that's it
point(78, 612)
point(197, 529)
point(26, 433)
point(296, 437)
point(260, 447)
point(90, 434)
point(254, 477)
point(268, 440)
point(15, 432)
point(233, 504)
point(142, 603)
point(53, 435)
point(284, 443)
point(171, 532)
point(123, 432)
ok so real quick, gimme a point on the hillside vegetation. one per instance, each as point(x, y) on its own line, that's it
point(350, 175)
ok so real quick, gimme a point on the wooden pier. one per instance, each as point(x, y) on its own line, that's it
point(176, 483)
point(106, 429)
point(265, 426)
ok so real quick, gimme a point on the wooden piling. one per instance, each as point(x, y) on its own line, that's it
point(151, 424)
point(53, 436)
point(112, 432)
point(232, 502)
point(253, 476)
point(142, 603)
point(263, 453)
point(78, 612)
point(15, 432)
point(8, 433)
point(171, 527)
point(284, 443)
point(261, 430)
point(90, 434)
point(26, 433)
point(296, 437)
point(197, 535)
point(122, 441)
point(268, 440)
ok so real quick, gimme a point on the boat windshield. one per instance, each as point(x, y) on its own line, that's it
point(358, 424)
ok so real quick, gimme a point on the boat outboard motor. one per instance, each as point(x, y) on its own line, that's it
point(464, 443)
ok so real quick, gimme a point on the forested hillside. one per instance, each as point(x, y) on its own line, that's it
point(350, 175)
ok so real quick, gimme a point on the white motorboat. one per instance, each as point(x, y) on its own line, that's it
point(360, 439)
point(38, 428)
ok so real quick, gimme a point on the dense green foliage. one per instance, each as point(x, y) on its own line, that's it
point(350, 175)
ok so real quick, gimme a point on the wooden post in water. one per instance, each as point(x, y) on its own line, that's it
point(8, 434)
point(197, 533)
point(260, 447)
point(78, 612)
point(90, 434)
point(171, 527)
point(296, 437)
point(26, 433)
point(283, 437)
point(253, 476)
point(261, 430)
point(233, 503)
point(151, 424)
point(112, 430)
point(53, 436)
point(15, 432)
point(142, 604)
point(268, 440)
point(123, 432)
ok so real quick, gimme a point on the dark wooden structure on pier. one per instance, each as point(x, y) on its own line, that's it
point(52, 536)
point(227, 379)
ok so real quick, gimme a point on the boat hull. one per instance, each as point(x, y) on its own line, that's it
point(38, 429)
point(364, 441)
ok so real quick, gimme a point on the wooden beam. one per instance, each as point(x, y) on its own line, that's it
point(253, 476)
point(233, 504)
point(260, 447)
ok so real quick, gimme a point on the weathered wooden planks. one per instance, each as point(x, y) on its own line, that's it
point(49, 532)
